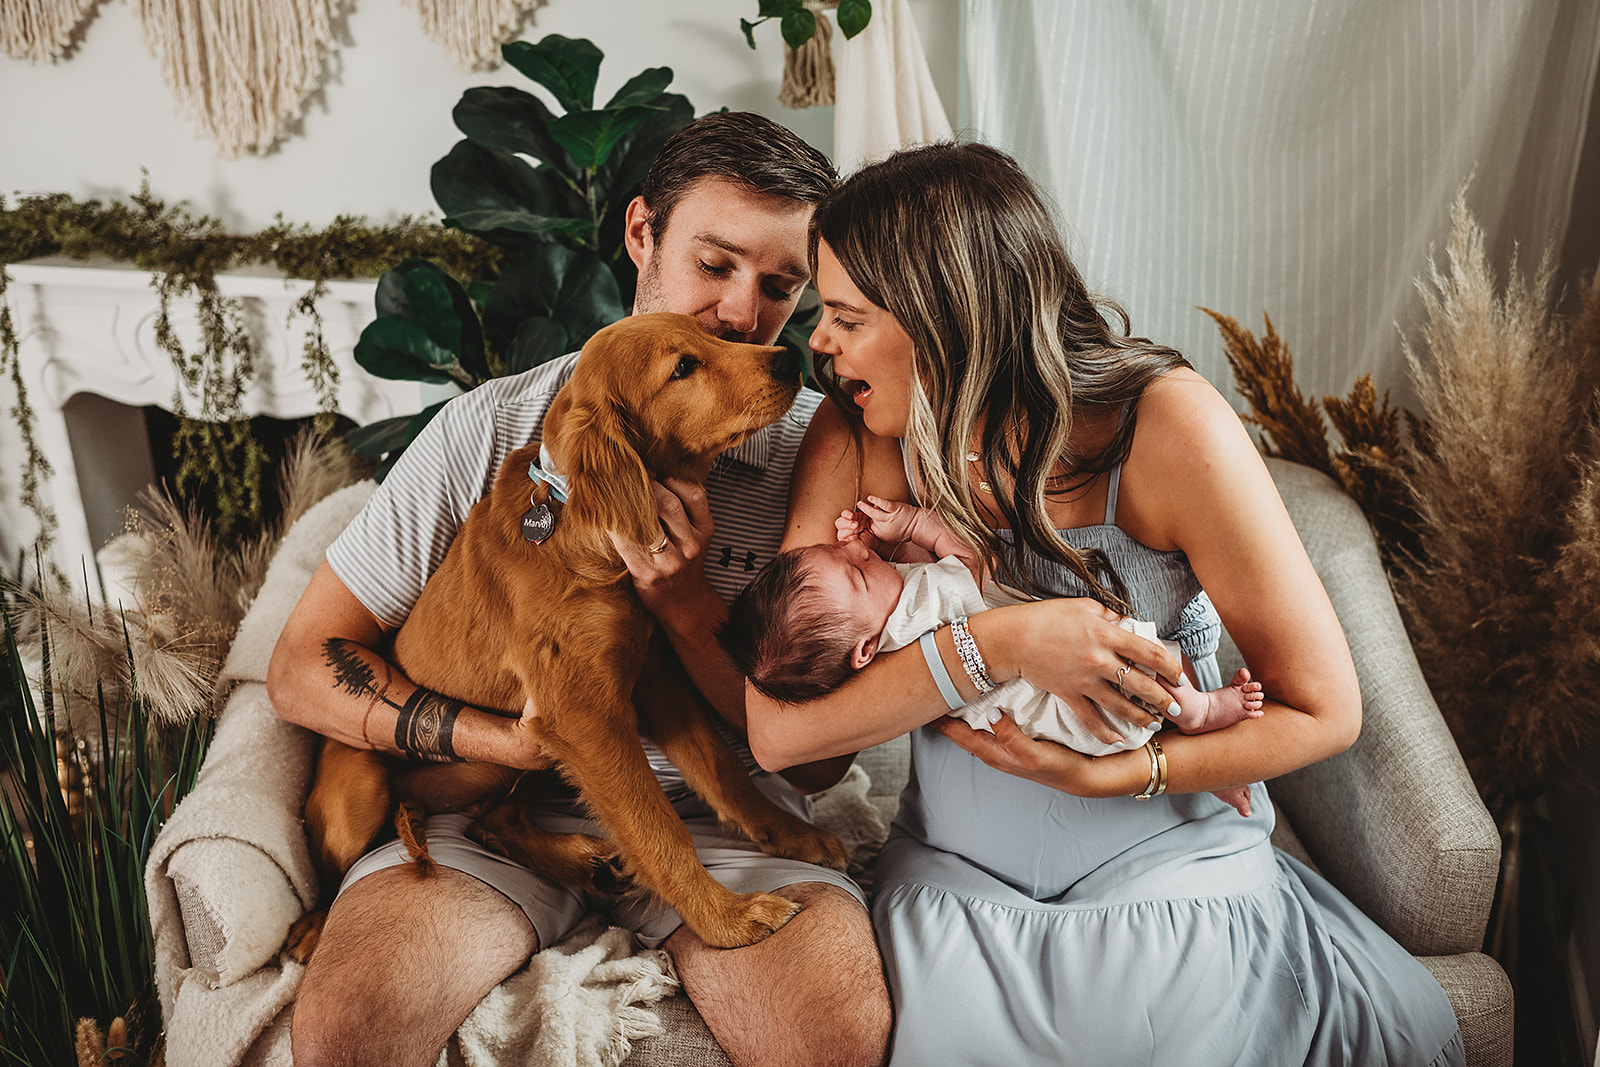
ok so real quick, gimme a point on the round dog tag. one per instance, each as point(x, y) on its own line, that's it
point(537, 522)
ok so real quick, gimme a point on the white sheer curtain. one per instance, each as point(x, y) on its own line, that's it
point(1297, 158)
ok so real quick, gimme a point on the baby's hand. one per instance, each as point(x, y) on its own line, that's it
point(890, 519)
point(848, 526)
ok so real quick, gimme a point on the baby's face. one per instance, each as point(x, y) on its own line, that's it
point(856, 583)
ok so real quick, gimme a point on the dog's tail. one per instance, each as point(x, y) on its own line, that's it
point(408, 824)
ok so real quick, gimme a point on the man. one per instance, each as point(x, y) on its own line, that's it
point(719, 233)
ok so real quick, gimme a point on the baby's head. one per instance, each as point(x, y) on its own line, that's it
point(810, 619)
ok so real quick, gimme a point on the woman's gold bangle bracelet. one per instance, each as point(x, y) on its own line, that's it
point(1158, 771)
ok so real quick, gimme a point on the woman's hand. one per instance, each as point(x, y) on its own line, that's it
point(1074, 648)
point(1010, 750)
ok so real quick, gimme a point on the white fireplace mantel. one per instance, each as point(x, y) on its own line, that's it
point(91, 329)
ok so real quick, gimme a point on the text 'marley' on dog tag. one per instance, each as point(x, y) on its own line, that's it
point(537, 522)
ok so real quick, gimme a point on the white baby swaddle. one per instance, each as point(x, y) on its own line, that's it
point(935, 593)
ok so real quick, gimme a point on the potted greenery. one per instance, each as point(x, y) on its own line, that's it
point(551, 191)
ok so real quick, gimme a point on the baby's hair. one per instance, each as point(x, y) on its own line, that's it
point(783, 638)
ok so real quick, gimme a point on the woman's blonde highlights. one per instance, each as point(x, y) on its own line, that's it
point(957, 244)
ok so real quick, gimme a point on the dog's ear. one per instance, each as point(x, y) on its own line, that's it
point(608, 483)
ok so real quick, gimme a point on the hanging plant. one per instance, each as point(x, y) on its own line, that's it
point(797, 20)
point(216, 454)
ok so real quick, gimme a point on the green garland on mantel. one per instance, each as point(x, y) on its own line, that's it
point(184, 254)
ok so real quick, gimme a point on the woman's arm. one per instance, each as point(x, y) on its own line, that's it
point(1194, 482)
point(896, 692)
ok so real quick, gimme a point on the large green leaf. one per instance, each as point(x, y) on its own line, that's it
point(589, 136)
point(566, 66)
point(798, 26)
point(507, 118)
point(420, 290)
point(575, 289)
point(854, 16)
point(538, 341)
point(642, 88)
point(376, 438)
point(399, 349)
point(633, 153)
point(432, 309)
point(490, 192)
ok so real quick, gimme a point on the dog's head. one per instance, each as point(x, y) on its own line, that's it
point(654, 396)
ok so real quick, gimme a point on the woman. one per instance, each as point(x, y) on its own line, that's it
point(1030, 908)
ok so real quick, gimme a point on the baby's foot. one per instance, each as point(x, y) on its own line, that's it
point(1238, 798)
point(1200, 713)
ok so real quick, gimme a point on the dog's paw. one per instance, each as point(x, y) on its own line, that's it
point(795, 839)
point(753, 917)
point(577, 860)
point(304, 935)
point(608, 877)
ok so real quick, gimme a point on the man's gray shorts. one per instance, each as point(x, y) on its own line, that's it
point(554, 908)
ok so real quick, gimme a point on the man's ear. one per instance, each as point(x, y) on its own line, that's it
point(636, 235)
point(865, 649)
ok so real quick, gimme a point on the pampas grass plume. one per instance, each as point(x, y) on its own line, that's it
point(1502, 606)
point(162, 646)
point(1291, 427)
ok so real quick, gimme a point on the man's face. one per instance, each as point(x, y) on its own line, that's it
point(732, 258)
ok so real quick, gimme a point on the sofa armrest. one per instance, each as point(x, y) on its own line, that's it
point(230, 871)
point(1395, 821)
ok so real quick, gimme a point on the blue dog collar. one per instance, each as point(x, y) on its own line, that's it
point(555, 480)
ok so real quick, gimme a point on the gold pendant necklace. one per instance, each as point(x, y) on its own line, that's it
point(973, 457)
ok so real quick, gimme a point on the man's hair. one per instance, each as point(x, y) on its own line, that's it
point(782, 637)
point(739, 146)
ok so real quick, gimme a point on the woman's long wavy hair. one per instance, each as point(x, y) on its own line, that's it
point(958, 245)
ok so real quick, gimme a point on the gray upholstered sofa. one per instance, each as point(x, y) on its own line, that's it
point(1394, 822)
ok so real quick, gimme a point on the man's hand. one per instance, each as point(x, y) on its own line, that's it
point(662, 577)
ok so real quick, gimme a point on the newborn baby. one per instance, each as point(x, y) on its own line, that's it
point(815, 615)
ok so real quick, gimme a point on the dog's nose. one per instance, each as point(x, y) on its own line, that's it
point(786, 365)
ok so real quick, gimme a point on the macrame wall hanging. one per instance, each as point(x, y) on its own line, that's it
point(243, 69)
point(37, 30)
point(472, 31)
point(808, 70)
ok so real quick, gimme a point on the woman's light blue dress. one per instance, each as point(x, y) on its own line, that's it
point(1021, 925)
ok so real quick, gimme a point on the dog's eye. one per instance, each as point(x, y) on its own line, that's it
point(685, 367)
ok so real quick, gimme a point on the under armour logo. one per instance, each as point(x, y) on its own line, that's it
point(727, 559)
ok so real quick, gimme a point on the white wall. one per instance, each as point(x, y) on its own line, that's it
point(91, 124)
point(87, 125)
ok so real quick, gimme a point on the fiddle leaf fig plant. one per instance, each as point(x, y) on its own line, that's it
point(551, 188)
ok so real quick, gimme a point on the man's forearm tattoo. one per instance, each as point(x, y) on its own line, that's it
point(350, 672)
point(424, 724)
point(422, 729)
